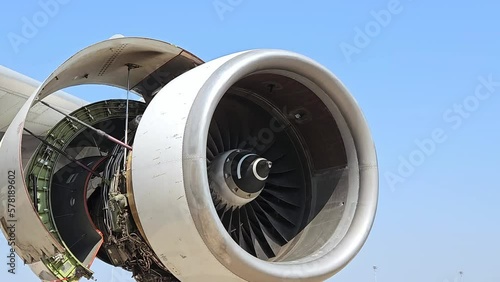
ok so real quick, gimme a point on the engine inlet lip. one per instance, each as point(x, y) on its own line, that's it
point(333, 255)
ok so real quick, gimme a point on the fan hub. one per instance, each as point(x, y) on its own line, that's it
point(237, 177)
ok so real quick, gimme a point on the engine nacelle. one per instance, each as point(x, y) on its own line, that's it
point(256, 166)
point(317, 204)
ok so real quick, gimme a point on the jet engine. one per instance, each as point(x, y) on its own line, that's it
point(256, 166)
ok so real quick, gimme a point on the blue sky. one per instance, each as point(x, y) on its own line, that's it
point(414, 66)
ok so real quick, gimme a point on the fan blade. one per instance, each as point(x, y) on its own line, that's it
point(289, 181)
point(288, 196)
point(261, 244)
point(212, 145)
point(286, 211)
point(217, 137)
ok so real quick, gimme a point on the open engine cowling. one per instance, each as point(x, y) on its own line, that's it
point(256, 166)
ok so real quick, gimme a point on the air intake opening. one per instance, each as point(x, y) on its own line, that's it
point(279, 119)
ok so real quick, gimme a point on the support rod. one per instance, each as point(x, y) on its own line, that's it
point(98, 131)
point(72, 159)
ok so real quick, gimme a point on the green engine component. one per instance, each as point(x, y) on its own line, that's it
point(46, 160)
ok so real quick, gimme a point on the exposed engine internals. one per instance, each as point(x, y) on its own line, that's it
point(78, 179)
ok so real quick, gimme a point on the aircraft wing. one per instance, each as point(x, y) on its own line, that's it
point(15, 88)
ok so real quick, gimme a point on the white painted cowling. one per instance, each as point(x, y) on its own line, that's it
point(173, 197)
